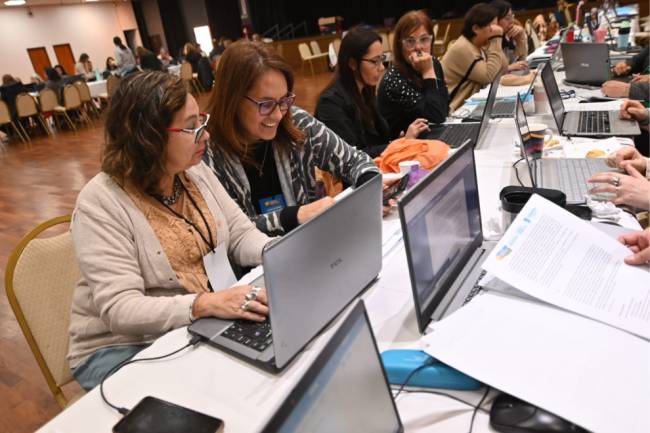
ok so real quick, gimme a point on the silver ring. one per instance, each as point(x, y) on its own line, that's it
point(244, 306)
point(616, 181)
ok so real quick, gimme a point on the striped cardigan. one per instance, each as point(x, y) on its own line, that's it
point(322, 148)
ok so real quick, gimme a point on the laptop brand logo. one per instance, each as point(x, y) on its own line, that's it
point(335, 263)
point(584, 65)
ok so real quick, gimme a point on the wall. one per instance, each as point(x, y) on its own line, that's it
point(88, 28)
point(152, 18)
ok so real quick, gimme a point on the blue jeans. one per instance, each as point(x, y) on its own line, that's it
point(92, 370)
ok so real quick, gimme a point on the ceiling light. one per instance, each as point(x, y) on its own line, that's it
point(14, 2)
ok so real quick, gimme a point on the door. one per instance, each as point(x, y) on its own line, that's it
point(129, 36)
point(40, 60)
point(64, 57)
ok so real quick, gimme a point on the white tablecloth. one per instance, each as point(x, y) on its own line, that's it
point(97, 88)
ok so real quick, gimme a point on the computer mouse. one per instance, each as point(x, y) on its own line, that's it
point(511, 415)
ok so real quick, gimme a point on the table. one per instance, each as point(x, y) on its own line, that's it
point(215, 383)
point(97, 88)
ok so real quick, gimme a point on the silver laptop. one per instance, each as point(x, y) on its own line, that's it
point(310, 274)
point(584, 123)
point(500, 108)
point(443, 238)
point(345, 390)
point(568, 175)
point(586, 63)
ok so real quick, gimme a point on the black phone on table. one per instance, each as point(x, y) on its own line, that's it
point(395, 189)
point(153, 415)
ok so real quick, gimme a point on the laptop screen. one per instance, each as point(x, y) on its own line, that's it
point(441, 225)
point(521, 123)
point(554, 97)
point(345, 390)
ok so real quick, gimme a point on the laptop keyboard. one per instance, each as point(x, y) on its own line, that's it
point(593, 122)
point(456, 135)
point(256, 335)
point(476, 289)
point(570, 176)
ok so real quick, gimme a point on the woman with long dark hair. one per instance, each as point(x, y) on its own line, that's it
point(415, 85)
point(348, 105)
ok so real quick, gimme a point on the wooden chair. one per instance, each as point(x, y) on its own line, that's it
point(111, 84)
point(307, 56)
point(530, 31)
point(50, 105)
point(190, 78)
point(337, 46)
point(385, 46)
point(72, 102)
point(86, 98)
point(40, 279)
point(26, 108)
point(5, 119)
point(440, 45)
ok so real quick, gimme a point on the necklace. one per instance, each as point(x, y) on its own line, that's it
point(176, 193)
point(260, 170)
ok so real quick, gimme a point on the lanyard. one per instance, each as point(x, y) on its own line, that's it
point(210, 244)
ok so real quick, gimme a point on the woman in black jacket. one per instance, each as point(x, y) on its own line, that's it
point(415, 85)
point(348, 105)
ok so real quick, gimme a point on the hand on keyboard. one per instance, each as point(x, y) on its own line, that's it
point(233, 303)
point(632, 189)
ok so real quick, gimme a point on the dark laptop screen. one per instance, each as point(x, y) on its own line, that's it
point(554, 97)
point(442, 227)
point(344, 391)
point(524, 136)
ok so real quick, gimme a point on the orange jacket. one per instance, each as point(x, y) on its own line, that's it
point(428, 153)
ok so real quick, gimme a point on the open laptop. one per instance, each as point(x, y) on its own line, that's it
point(310, 274)
point(457, 134)
point(443, 238)
point(568, 175)
point(501, 108)
point(583, 123)
point(345, 390)
point(586, 63)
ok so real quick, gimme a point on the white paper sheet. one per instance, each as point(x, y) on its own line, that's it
point(589, 373)
point(554, 256)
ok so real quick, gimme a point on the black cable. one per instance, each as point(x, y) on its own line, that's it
point(514, 166)
point(115, 369)
point(453, 397)
point(477, 407)
point(428, 362)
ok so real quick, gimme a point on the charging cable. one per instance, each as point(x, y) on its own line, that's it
point(193, 342)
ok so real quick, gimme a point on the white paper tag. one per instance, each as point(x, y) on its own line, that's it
point(218, 268)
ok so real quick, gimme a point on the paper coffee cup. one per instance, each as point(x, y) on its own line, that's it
point(406, 167)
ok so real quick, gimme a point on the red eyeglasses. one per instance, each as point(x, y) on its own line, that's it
point(197, 132)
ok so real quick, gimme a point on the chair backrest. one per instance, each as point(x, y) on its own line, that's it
point(337, 45)
point(84, 91)
point(530, 31)
point(40, 280)
point(71, 98)
point(186, 71)
point(385, 46)
point(391, 40)
point(48, 99)
point(304, 51)
point(435, 30)
point(315, 48)
point(446, 38)
point(5, 115)
point(111, 84)
point(26, 105)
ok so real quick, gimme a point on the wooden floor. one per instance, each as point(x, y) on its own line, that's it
point(38, 182)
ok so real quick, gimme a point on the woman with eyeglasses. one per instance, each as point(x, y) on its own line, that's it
point(476, 58)
point(144, 225)
point(348, 105)
point(514, 42)
point(264, 150)
point(414, 87)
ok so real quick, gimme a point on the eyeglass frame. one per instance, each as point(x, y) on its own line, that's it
point(377, 62)
point(277, 103)
point(410, 42)
point(197, 132)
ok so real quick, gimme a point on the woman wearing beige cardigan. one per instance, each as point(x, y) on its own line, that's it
point(143, 225)
point(476, 58)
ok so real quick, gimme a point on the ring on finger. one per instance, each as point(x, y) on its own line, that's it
point(616, 181)
point(245, 304)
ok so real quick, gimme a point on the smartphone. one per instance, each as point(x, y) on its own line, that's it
point(395, 189)
point(153, 415)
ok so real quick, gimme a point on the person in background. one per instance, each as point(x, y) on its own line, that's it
point(192, 55)
point(148, 60)
point(348, 105)
point(84, 67)
point(637, 65)
point(476, 58)
point(638, 88)
point(541, 28)
point(164, 57)
point(54, 82)
point(124, 59)
point(141, 227)
point(514, 41)
point(264, 150)
point(8, 80)
point(59, 69)
point(111, 68)
point(414, 86)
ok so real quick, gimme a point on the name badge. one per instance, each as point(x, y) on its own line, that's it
point(272, 204)
point(218, 268)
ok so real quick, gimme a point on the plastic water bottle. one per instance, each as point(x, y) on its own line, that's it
point(98, 76)
point(586, 36)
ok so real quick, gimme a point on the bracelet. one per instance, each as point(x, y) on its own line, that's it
point(192, 318)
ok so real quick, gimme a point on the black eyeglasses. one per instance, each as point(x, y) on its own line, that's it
point(377, 61)
point(267, 106)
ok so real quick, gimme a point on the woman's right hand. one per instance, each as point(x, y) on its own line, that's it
point(639, 244)
point(627, 155)
point(309, 211)
point(416, 128)
point(227, 304)
point(423, 63)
